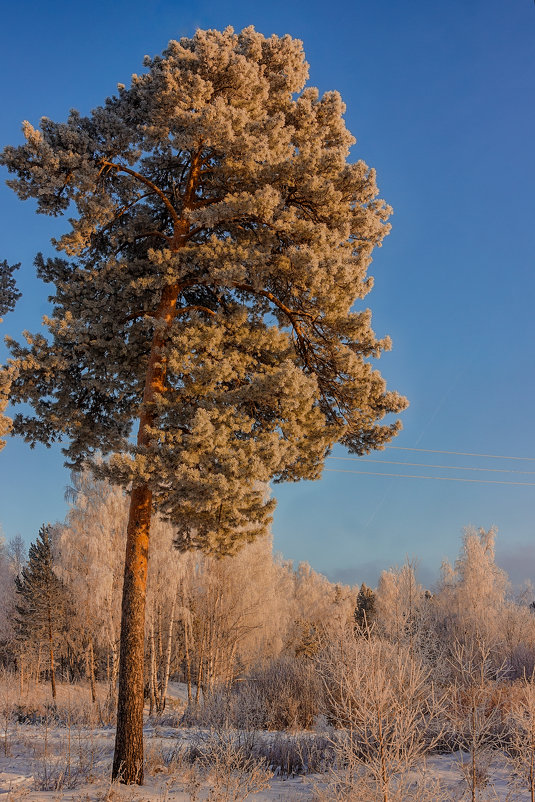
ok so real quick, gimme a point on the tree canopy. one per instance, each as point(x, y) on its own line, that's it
point(219, 239)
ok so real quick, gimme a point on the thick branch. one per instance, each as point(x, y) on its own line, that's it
point(182, 310)
point(193, 179)
point(193, 308)
point(148, 183)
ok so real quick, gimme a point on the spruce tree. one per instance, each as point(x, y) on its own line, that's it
point(41, 600)
point(219, 240)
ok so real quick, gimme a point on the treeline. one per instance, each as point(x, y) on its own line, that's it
point(209, 621)
point(215, 623)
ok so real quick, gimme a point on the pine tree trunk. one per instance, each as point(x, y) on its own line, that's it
point(128, 757)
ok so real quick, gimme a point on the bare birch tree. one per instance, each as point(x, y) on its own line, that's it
point(474, 713)
point(89, 560)
point(381, 699)
point(520, 753)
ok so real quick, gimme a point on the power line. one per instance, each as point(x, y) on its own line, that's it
point(426, 465)
point(440, 478)
point(459, 453)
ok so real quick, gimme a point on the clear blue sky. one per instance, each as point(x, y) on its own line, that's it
point(441, 99)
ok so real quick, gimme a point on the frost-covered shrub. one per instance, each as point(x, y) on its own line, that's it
point(290, 690)
point(290, 755)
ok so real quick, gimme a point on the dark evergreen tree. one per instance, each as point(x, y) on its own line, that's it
point(365, 608)
point(309, 643)
point(41, 600)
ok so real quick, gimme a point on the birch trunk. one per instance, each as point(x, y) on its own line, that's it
point(38, 667)
point(21, 687)
point(199, 671)
point(167, 667)
point(128, 757)
point(188, 660)
point(51, 649)
point(91, 667)
point(152, 672)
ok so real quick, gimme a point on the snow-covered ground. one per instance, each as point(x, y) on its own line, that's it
point(78, 764)
point(51, 761)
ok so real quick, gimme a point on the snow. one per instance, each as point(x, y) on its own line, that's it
point(37, 754)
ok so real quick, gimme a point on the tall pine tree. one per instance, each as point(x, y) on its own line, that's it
point(219, 239)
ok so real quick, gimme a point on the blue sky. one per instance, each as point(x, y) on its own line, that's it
point(440, 98)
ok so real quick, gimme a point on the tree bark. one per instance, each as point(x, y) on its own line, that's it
point(128, 757)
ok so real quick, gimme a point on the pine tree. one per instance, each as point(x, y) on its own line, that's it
point(364, 615)
point(219, 241)
point(41, 600)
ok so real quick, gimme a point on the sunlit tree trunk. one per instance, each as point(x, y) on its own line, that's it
point(128, 756)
